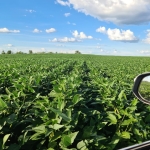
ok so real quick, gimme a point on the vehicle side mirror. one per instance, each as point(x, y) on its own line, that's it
point(141, 88)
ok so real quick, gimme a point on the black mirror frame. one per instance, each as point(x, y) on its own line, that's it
point(135, 90)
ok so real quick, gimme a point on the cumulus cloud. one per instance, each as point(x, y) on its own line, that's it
point(65, 39)
point(147, 40)
point(9, 45)
point(145, 51)
point(36, 31)
point(64, 3)
point(50, 30)
point(101, 30)
point(5, 30)
point(30, 10)
point(67, 14)
point(130, 11)
point(81, 35)
point(54, 40)
point(118, 35)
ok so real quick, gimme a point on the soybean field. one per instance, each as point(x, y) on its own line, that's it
point(71, 102)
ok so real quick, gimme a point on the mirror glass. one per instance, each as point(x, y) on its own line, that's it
point(144, 88)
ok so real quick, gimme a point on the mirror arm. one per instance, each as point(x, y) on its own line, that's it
point(135, 90)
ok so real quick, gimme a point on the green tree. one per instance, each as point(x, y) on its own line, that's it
point(50, 52)
point(3, 52)
point(20, 52)
point(30, 52)
point(77, 52)
point(9, 52)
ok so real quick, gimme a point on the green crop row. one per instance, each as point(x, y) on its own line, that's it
point(71, 102)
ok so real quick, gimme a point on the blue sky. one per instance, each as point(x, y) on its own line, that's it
point(110, 27)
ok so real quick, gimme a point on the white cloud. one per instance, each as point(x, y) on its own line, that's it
point(67, 14)
point(64, 3)
point(54, 40)
point(36, 31)
point(5, 30)
point(115, 51)
point(118, 35)
point(147, 40)
point(30, 10)
point(145, 51)
point(50, 30)
point(9, 45)
point(101, 30)
point(65, 39)
point(71, 23)
point(81, 35)
point(116, 11)
point(43, 49)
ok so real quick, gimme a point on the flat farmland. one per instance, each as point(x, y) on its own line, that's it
point(71, 102)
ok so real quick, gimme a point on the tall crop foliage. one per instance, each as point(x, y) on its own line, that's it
point(70, 102)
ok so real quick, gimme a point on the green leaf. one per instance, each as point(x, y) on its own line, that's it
point(61, 104)
point(37, 136)
point(67, 140)
point(58, 112)
point(81, 145)
point(87, 132)
point(12, 118)
point(7, 91)
point(76, 99)
point(56, 89)
point(112, 118)
point(134, 102)
point(5, 139)
point(114, 141)
point(53, 94)
point(39, 129)
point(24, 137)
point(73, 136)
point(126, 122)
point(57, 126)
point(125, 135)
point(3, 105)
point(2, 122)
point(122, 95)
point(137, 132)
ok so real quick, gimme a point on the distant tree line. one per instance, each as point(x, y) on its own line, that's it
point(31, 52)
point(77, 52)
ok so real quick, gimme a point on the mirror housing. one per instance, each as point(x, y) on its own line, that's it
point(136, 88)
